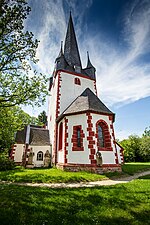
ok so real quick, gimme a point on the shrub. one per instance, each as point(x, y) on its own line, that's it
point(5, 162)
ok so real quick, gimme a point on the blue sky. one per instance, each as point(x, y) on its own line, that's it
point(117, 35)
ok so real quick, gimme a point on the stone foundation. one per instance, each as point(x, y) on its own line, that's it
point(90, 168)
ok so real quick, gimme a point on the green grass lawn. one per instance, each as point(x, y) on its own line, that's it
point(131, 168)
point(120, 204)
point(54, 175)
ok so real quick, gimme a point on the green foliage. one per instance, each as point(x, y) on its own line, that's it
point(131, 148)
point(145, 148)
point(115, 205)
point(5, 162)
point(19, 82)
point(42, 118)
point(146, 132)
point(137, 149)
point(11, 120)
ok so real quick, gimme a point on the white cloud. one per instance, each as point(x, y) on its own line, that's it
point(121, 76)
point(121, 79)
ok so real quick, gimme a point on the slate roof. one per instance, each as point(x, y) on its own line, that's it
point(70, 59)
point(87, 101)
point(71, 51)
point(38, 136)
point(21, 136)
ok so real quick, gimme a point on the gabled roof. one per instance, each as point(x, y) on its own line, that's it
point(87, 101)
point(21, 136)
point(71, 51)
point(37, 136)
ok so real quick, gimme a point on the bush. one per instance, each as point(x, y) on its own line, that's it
point(6, 163)
point(145, 149)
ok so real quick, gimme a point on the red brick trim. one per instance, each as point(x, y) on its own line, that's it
point(58, 95)
point(121, 152)
point(12, 153)
point(89, 165)
point(90, 138)
point(113, 135)
point(74, 138)
point(83, 112)
point(111, 165)
point(73, 73)
point(107, 137)
point(55, 144)
point(60, 137)
point(27, 151)
point(56, 115)
point(65, 140)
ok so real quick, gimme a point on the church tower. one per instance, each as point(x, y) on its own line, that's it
point(80, 125)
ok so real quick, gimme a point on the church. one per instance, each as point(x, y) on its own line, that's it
point(80, 134)
point(81, 127)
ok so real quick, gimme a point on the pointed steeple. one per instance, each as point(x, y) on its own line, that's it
point(71, 51)
point(89, 64)
point(90, 69)
point(61, 50)
point(60, 60)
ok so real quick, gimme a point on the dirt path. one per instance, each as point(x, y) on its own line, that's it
point(83, 184)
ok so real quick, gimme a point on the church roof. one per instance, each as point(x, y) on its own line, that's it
point(71, 51)
point(87, 101)
point(69, 59)
point(37, 136)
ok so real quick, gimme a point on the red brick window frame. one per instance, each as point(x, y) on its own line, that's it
point(77, 138)
point(103, 136)
point(77, 81)
point(60, 136)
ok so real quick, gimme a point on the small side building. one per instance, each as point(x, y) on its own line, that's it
point(32, 147)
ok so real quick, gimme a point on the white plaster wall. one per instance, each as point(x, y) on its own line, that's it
point(60, 154)
point(81, 157)
point(36, 149)
point(108, 156)
point(52, 110)
point(70, 91)
point(18, 152)
point(118, 152)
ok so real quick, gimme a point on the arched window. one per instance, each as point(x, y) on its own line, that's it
point(100, 136)
point(103, 136)
point(60, 136)
point(77, 81)
point(40, 156)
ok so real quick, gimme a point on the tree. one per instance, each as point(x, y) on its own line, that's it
point(11, 120)
point(19, 83)
point(42, 118)
point(146, 132)
point(145, 145)
point(145, 149)
point(131, 148)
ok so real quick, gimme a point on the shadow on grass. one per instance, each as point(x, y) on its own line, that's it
point(147, 177)
point(122, 204)
point(132, 168)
